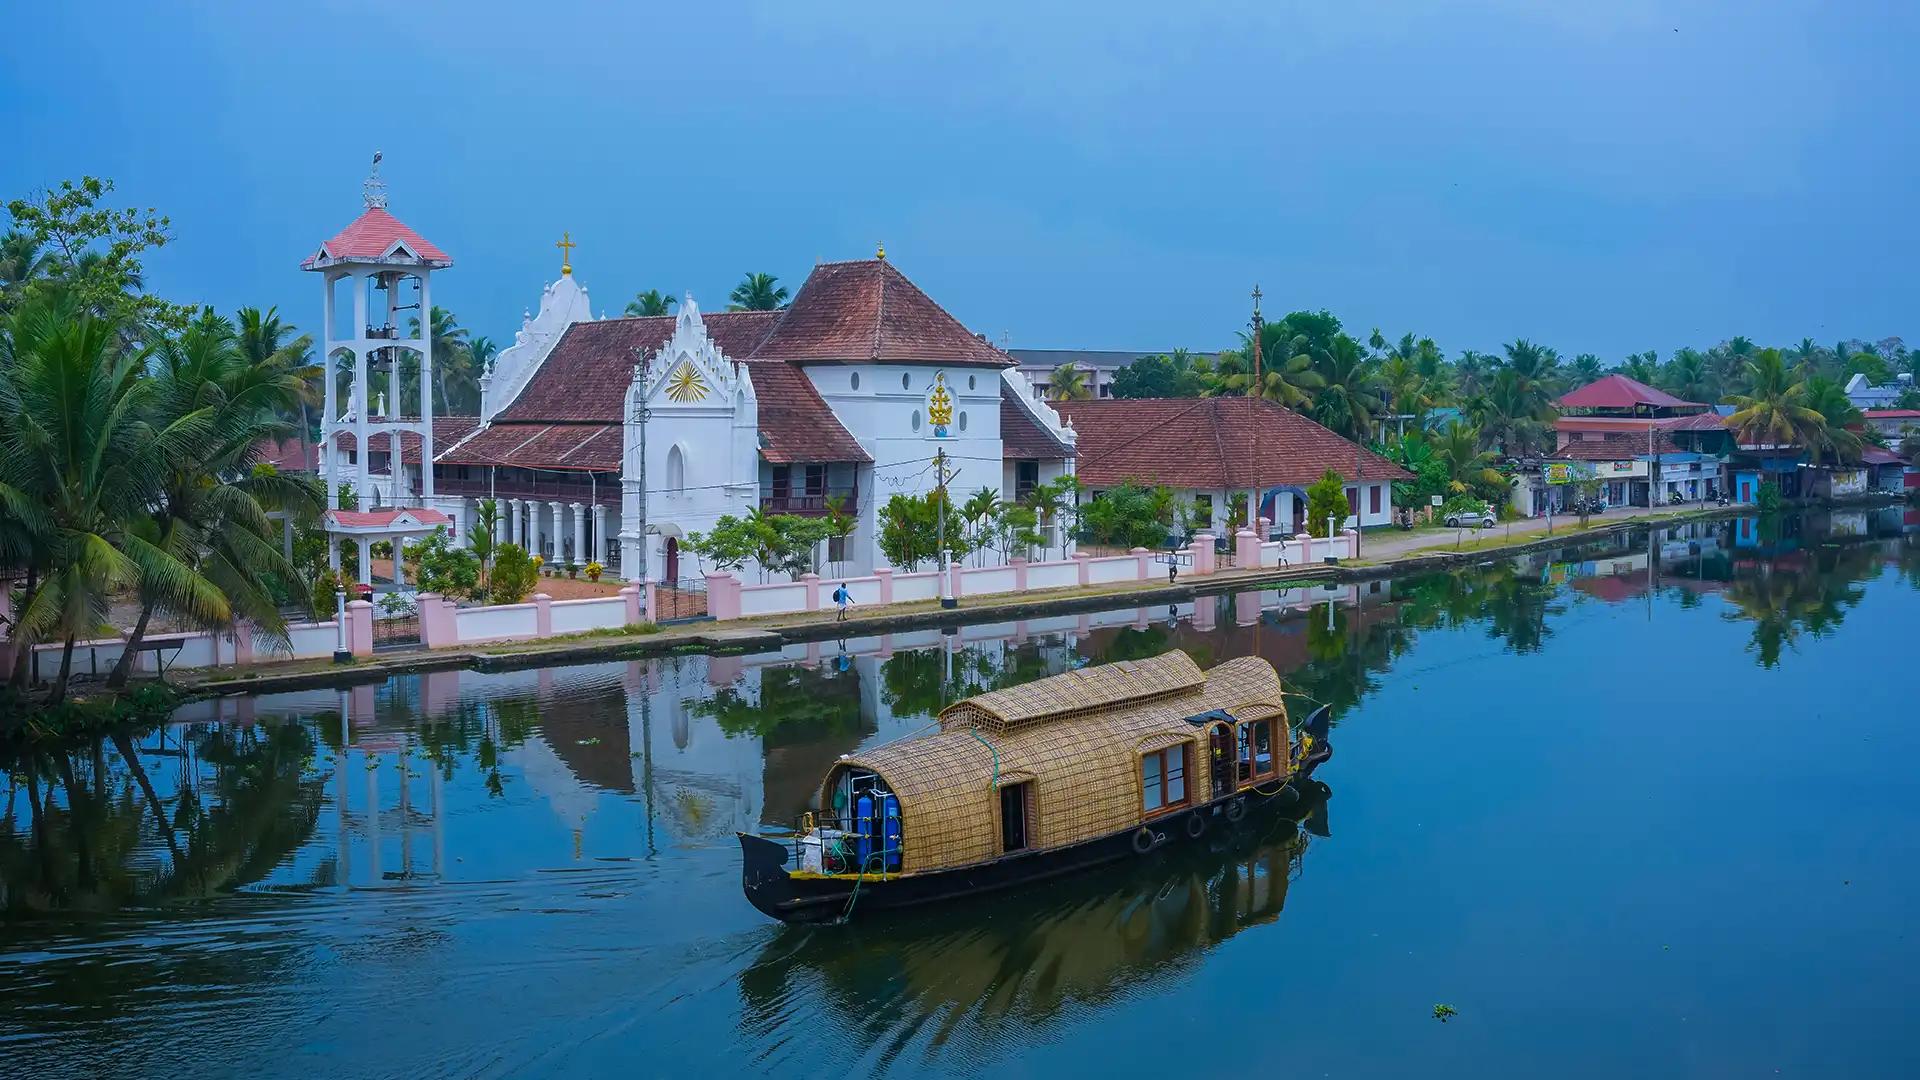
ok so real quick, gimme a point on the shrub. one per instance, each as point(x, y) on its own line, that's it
point(446, 569)
point(1326, 499)
point(514, 575)
point(1767, 499)
point(322, 598)
point(594, 570)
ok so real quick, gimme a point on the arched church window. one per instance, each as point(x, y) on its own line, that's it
point(916, 419)
point(963, 421)
point(676, 471)
point(906, 381)
point(973, 383)
point(855, 380)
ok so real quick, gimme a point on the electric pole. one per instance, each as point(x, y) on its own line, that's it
point(947, 599)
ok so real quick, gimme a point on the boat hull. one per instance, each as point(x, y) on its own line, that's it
point(808, 899)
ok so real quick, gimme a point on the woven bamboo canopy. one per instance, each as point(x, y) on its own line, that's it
point(1077, 738)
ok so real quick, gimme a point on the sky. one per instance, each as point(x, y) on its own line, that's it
point(1599, 177)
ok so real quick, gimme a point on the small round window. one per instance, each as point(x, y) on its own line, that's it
point(856, 380)
point(906, 381)
point(916, 419)
point(972, 382)
point(963, 421)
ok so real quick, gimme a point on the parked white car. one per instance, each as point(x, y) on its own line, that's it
point(1470, 519)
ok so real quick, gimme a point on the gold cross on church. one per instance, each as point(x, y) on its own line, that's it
point(566, 246)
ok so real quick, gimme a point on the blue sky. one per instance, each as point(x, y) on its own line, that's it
point(1601, 177)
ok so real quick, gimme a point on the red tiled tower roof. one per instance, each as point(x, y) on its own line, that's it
point(1020, 437)
point(1210, 444)
point(373, 235)
point(1619, 392)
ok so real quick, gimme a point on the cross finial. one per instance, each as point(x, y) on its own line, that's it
point(1256, 301)
point(880, 250)
point(373, 192)
point(566, 246)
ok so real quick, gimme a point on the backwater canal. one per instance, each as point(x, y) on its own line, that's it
point(1641, 808)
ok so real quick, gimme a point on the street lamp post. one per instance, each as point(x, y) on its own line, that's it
point(341, 653)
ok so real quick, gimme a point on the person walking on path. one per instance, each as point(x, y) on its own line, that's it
point(843, 599)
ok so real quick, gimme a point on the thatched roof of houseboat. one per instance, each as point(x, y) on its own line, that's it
point(1074, 693)
point(1076, 737)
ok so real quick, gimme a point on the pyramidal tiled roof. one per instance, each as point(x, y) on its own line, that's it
point(857, 312)
point(1210, 444)
point(372, 236)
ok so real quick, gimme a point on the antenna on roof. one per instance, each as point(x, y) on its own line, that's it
point(373, 192)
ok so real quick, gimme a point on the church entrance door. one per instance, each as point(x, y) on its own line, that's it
point(673, 560)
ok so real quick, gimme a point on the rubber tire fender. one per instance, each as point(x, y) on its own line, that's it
point(1236, 810)
point(1143, 841)
point(1196, 826)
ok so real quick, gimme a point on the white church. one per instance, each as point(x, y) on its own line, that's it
point(611, 439)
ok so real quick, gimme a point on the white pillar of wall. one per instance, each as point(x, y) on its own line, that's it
point(580, 534)
point(399, 559)
point(555, 534)
point(600, 534)
point(426, 390)
point(366, 561)
point(359, 405)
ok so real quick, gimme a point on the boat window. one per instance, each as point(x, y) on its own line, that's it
point(1013, 817)
point(1257, 761)
point(1163, 778)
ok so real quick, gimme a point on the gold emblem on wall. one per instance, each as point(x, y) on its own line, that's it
point(685, 384)
point(940, 406)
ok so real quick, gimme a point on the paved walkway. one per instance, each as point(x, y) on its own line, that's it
point(1392, 543)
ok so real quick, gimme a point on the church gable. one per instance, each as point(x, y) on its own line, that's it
point(689, 369)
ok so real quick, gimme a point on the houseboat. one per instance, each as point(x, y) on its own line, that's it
point(1113, 762)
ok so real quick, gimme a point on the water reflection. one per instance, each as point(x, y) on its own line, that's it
point(588, 809)
point(1002, 970)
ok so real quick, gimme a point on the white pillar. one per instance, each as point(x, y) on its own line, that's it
point(630, 565)
point(333, 553)
point(558, 510)
point(399, 559)
point(426, 390)
point(580, 534)
point(366, 561)
point(600, 534)
point(360, 385)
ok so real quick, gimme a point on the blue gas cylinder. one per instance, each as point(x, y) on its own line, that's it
point(863, 829)
point(890, 829)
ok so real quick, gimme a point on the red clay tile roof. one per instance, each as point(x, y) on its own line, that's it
point(579, 447)
point(1874, 455)
point(796, 424)
point(868, 310)
point(586, 375)
point(1617, 446)
point(447, 430)
point(1891, 414)
point(1210, 444)
point(371, 236)
point(1620, 392)
point(288, 455)
point(1020, 437)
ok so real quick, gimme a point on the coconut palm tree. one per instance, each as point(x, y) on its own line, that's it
point(1349, 400)
point(1467, 465)
point(1286, 367)
point(1586, 368)
point(650, 303)
point(1774, 410)
point(210, 508)
point(1642, 367)
point(1068, 383)
point(1404, 388)
point(1841, 423)
point(758, 292)
point(1470, 373)
point(79, 465)
point(1688, 376)
point(21, 261)
point(1806, 358)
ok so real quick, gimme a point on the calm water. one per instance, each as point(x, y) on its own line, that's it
point(1641, 809)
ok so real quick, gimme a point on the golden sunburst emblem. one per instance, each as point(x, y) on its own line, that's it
point(685, 384)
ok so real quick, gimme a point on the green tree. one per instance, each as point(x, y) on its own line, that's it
point(1130, 515)
point(442, 568)
point(1466, 467)
point(1774, 411)
point(79, 465)
point(1068, 383)
point(1348, 400)
point(93, 253)
point(1163, 375)
point(1841, 423)
point(910, 526)
point(456, 384)
point(1326, 504)
point(653, 302)
point(758, 292)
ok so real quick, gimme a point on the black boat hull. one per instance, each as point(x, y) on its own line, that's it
point(775, 892)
